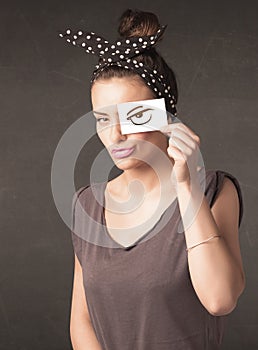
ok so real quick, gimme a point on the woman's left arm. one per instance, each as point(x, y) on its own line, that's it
point(215, 267)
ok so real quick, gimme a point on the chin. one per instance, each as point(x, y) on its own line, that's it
point(127, 163)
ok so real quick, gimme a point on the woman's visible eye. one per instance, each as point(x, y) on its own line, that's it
point(101, 120)
point(141, 117)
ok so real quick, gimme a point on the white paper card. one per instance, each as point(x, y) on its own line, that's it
point(142, 116)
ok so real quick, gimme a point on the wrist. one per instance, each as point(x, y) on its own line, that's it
point(189, 186)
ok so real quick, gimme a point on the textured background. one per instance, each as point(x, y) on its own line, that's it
point(44, 87)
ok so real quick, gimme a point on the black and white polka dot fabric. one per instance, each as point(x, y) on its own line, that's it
point(123, 53)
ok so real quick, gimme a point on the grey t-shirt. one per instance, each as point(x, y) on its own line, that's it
point(141, 297)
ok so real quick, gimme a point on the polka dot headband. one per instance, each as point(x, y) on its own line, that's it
point(123, 53)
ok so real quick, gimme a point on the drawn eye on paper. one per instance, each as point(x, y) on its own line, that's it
point(140, 117)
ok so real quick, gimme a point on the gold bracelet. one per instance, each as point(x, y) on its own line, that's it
point(206, 240)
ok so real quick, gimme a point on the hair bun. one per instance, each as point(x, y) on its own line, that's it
point(138, 23)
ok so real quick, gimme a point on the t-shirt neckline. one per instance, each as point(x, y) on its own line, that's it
point(134, 244)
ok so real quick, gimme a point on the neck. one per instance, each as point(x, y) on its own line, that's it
point(154, 178)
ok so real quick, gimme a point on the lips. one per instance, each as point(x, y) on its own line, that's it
point(122, 152)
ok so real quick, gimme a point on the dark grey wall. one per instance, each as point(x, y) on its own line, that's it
point(212, 46)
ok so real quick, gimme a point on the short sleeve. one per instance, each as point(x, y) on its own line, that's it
point(214, 184)
point(76, 240)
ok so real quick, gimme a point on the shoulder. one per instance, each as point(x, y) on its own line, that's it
point(223, 188)
point(86, 204)
point(88, 197)
point(87, 192)
point(81, 192)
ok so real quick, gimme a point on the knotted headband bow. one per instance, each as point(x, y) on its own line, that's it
point(122, 53)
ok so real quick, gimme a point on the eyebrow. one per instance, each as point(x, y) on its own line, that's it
point(134, 109)
point(100, 113)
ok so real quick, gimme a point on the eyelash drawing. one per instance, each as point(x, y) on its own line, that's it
point(139, 114)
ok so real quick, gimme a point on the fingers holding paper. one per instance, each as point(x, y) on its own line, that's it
point(183, 148)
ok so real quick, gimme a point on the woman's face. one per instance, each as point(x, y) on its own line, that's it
point(105, 95)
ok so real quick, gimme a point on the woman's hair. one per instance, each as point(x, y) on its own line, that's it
point(141, 23)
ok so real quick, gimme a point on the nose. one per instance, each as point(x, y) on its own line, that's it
point(115, 133)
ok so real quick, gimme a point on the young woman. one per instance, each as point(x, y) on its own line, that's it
point(152, 288)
